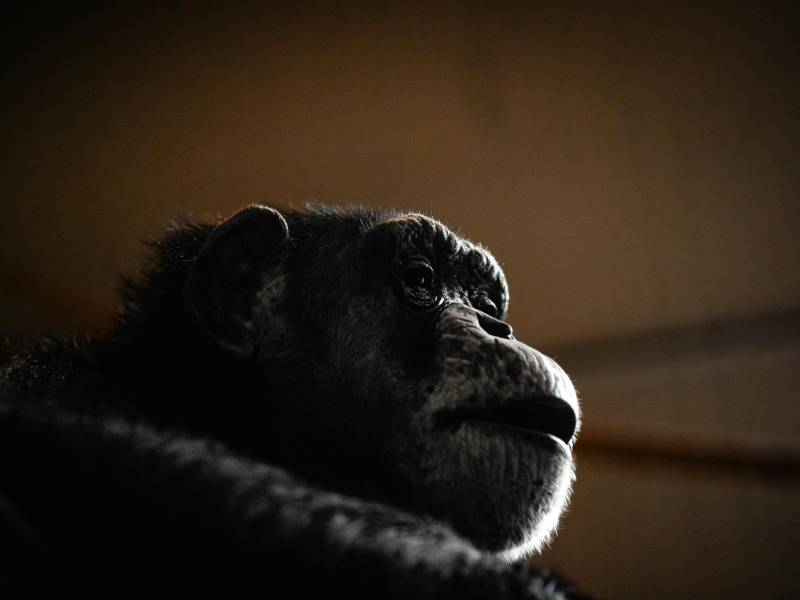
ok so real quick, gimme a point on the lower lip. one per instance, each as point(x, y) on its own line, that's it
point(533, 435)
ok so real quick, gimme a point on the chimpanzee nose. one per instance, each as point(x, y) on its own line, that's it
point(495, 327)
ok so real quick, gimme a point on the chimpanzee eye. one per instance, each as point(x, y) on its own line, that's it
point(419, 275)
point(418, 283)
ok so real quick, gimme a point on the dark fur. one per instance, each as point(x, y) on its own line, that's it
point(159, 457)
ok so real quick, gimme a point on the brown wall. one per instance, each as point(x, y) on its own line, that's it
point(635, 171)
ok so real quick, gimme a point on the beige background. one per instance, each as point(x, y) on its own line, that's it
point(635, 171)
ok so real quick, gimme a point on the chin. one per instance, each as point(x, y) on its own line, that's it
point(543, 516)
point(502, 488)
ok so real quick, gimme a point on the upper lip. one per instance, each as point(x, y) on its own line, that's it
point(541, 413)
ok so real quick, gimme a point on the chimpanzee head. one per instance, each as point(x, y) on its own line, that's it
point(381, 362)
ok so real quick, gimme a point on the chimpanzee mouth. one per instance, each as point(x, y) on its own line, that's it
point(539, 415)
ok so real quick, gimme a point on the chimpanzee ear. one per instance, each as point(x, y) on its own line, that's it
point(226, 275)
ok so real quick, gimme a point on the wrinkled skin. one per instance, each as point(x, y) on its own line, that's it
point(417, 381)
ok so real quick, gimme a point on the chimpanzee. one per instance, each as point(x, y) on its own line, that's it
point(322, 401)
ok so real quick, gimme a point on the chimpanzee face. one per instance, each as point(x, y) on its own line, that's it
point(384, 358)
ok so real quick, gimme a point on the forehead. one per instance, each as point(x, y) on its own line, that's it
point(425, 233)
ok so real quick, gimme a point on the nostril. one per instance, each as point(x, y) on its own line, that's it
point(495, 327)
